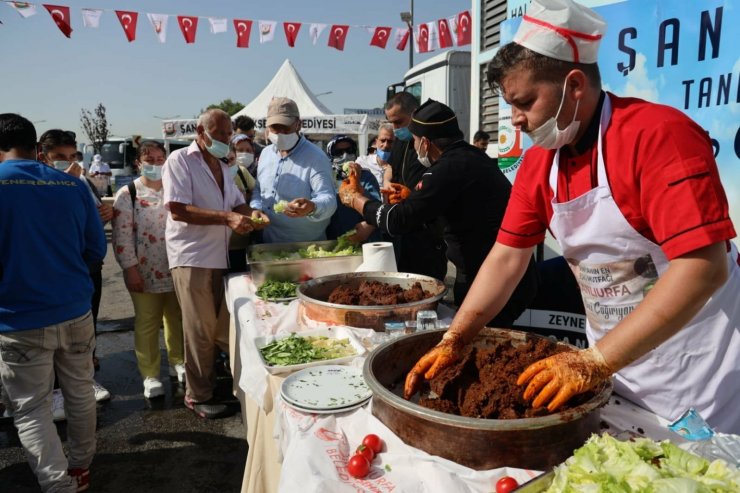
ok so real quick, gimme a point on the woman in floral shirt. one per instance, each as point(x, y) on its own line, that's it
point(139, 247)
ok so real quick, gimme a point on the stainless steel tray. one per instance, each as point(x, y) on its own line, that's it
point(298, 270)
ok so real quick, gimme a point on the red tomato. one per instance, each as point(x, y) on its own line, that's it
point(358, 466)
point(506, 484)
point(373, 442)
point(366, 451)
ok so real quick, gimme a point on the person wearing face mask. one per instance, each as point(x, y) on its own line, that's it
point(57, 148)
point(241, 171)
point(205, 207)
point(139, 223)
point(294, 170)
point(342, 151)
point(421, 251)
point(378, 162)
point(631, 192)
point(101, 174)
point(464, 188)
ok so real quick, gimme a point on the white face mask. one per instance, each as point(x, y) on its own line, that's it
point(244, 158)
point(424, 160)
point(284, 141)
point(61, 165)
point(549, 136)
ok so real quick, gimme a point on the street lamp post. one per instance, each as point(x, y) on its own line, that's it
point(408, 18)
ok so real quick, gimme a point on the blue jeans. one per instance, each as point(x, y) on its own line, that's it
point(28, 359)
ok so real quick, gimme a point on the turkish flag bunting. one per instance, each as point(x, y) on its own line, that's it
point(445, 35)
point(243, 29)
point(337, 35)
point(464, 28)
point(60, 15)
point(188, 26)
point(423, 41)
point(291, 32)
point(380, 37)
point(128, 22)
point(402, 38)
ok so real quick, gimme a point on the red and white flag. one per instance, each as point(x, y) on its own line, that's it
point(337, 36)
point(380, 37)
point(445, 35)
point(188, 26)
point(402, 38)
point(423, 37)
point(314, 31)
point(60, 15)
point(91, 17)
point(267, 31)
point(464, 28)
point(243, 29)
point(25, 9)
point(291, 32)
point(159, 23)
point(128, 23)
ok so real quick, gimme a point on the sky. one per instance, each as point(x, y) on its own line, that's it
point(49, 78)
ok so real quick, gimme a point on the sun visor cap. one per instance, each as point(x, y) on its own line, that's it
point(563, 30)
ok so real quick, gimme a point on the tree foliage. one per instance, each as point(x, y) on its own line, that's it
point(229, 106)
point(95, 125)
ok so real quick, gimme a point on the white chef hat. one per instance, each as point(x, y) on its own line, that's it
point(562, 29)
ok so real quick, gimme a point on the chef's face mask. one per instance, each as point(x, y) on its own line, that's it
point(549, 136)
point(424, 160)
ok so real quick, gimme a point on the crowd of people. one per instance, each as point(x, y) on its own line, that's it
point(607, 193)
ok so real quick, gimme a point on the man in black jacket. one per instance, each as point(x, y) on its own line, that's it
point(421, 250)
point(464, 188)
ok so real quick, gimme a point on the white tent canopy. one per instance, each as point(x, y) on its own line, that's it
point(317, 120)
point(286, 83)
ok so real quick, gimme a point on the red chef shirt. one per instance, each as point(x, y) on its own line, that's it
point(661, 170)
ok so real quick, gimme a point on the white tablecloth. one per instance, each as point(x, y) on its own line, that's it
point(313, 449)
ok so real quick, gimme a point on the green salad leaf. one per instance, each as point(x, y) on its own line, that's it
point(280, 206)
point(296, 350)
point(344, 247)
point(605, 464)
point(271, 290)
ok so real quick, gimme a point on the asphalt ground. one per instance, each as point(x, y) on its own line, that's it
point(143, 445)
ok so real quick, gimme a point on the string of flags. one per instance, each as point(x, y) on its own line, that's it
point(442, 33)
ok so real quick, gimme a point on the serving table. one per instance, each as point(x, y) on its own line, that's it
point(293, 451)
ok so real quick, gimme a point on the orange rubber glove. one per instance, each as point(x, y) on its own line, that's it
point(350, 189)
point(396, 193)
point(564, 375)
point(441, 356)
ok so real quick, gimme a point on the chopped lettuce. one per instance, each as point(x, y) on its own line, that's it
point(280, 206)
point(607, 465)
point(344, 247)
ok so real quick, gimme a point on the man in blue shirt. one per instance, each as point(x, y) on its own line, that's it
point(50, 228)
point(295, 173)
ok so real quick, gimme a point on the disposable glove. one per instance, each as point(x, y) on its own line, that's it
point(350, 189)
point(441, 356)
point(396, 193)
point(561, 376)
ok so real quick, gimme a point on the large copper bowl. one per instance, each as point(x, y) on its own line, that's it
point(530, 443)
point(315, 293)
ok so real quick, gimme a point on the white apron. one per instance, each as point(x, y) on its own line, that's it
point(615, 266)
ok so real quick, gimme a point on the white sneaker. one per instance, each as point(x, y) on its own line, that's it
point(180, 369)
point(153, 387)
point(101, 393)
point(57, 405)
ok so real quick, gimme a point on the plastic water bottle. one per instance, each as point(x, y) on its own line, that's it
point(426, 320)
